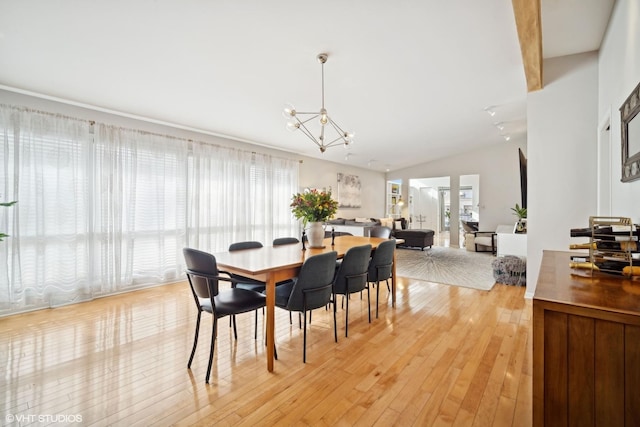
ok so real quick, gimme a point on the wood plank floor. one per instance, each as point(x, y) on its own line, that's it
point(444, 356)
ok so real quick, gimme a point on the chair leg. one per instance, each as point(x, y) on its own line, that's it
point(213, 346)
point(304, 344)
point(369, 303)
point(346, 318)
point(255, 334)
point(195, 341)
point(335, 323)
point(377, 296)
point(235, 330)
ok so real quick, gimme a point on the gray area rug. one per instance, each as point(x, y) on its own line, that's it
point(449, 266)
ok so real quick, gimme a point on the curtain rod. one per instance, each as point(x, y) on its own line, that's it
point(143, 132)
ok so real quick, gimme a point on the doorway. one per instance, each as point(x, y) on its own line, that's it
point(430, 206)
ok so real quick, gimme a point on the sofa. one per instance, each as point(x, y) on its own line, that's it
point(353, 226)
point(362, 227)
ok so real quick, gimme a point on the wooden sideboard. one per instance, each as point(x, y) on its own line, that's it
point(586, 348)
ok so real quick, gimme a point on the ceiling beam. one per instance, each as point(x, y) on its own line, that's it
point(529, 25)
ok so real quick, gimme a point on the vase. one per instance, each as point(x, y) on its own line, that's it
point(315, 235)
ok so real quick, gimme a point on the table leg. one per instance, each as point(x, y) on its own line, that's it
point(271, 308)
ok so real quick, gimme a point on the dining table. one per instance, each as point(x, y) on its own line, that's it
point(273, 264)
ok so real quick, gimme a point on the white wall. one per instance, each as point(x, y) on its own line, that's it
point(591, 88)
point(619, 73)
point(561, 157)
point(499, 169)
point(316, 173)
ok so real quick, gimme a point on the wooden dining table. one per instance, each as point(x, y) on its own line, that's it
point(272, 264)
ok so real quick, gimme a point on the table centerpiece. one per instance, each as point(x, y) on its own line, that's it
point(314, 207)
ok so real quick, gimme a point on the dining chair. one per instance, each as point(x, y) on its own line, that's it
point(247, 282)
point(380, 231)
point(204, 276)
point(313, 288)
point(381, 266)
point(351, 277)
point(285, 241)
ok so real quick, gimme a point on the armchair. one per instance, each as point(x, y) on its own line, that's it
point(489, 239)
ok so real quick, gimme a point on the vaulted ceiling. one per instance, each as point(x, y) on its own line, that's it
point(411, 78)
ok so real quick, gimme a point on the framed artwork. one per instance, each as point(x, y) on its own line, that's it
point(349, 188)
point(630, 121)
point(395, 188)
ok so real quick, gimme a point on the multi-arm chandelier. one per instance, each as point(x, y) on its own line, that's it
point(299, 121)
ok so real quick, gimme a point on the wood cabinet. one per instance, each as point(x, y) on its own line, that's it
point(586, 348)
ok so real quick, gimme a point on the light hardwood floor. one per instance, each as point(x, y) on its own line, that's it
point(444, 356)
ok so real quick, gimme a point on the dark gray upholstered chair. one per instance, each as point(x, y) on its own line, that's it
point(380, 231)
point(380, 266)
point(351, 277)
point(203, 276)
point(253, 284)
point(285, 241)
point(247, 283)
point(313, 288)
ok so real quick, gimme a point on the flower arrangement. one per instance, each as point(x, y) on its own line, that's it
point(313, 206)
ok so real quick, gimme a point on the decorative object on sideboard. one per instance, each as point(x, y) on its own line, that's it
point(630, 132)
point(300, 121)
point(612, 248)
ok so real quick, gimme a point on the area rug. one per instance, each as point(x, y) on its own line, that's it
point(449, 266)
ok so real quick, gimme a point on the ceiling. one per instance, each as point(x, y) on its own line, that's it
point(411, 78)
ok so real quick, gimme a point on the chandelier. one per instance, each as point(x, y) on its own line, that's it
point(300, 120)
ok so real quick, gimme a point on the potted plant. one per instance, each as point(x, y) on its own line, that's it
point(314, 207)
point(521, 213)
point(3, 235)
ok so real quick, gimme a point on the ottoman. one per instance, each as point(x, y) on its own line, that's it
point(510, 270)
point(415, 238)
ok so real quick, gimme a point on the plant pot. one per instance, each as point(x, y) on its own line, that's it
point(315, 235)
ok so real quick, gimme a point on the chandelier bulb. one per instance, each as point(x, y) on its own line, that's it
point(289, 111)
point(293, 126)
point(324, 119)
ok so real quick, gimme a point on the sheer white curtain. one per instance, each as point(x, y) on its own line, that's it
point(139, 219)
point(103, 210)
point(45, 162)
point(236, 195)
